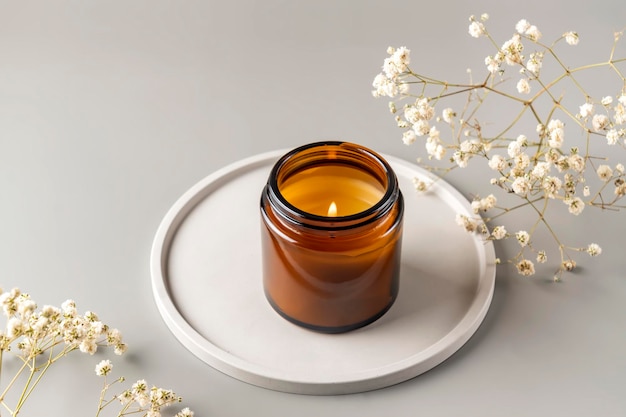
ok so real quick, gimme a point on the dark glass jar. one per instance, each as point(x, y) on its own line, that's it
point(331, 236)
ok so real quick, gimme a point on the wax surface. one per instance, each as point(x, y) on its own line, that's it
point(313, 190)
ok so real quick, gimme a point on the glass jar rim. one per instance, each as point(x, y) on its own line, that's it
point(315, 221)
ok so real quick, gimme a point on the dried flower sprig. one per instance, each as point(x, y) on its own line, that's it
point(541, 167)
point(40, 338)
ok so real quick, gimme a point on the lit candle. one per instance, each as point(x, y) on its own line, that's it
point(332, 227)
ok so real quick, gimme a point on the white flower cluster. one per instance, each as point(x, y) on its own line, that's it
point(546, 165)
point(150, 400)
point(36, 331)
point(51, 333)
point(389, 82)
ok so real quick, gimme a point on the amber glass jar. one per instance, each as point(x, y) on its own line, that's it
point(331, 236)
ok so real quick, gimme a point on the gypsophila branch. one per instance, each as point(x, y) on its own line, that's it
point(540, 165)
point(36, 334)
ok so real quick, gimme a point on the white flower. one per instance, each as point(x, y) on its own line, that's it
point(383, 86)
point(419, 185)
point(493, 65)
point(586, 110)
point(540, 170)
point(606, 101)
point(522, 86)
point(542, 257)
point(622, 99)
point(604, 172)
point(556, 132)
point(533, 33)
point(600, 122)
point(512, 50)
point(185, 412)
point(476, 29)
point(551, 186)
point(571, 38)
point(514, 149)
point(576, 162)
point(401, 58)
point(498, 232)
point(421, 127)
point(521, 162)
point(523, 238)
point(470, 225)
point(409, 137)
point(104, 367)
point(521, 186)
point(620, 114)
point(619, 168)
point(497, 162)
point(525, 267)
point(461, 158)
point(522, 26)
point(586, 191)
point(612, 136)
point(88, 346)
point(594, 249)
point(535, 63)
point(448, 115)
point(575, 205)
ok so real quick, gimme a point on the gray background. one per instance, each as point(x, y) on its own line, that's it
point(110, 110)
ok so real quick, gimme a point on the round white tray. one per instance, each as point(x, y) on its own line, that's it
point(206, 278)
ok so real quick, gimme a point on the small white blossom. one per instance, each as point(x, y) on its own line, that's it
point(535, 62)
point(525, 267)
point(521, 186)
point(619, 168)
point(448, 115)
point(604, 172)
point(497, 162)
point(551, 186)
point(586, 191)
point(600, 122)
point(470, 225)
point(185, 412)
point(586, 110)
point(556, 132)
point(514, 149)
point(104, 367)
point(575, 205)
point(493, 65)
point(523, 238)
point(540, 170)
point(512, 50)
point(571, 38)
point(576, 162)
point(522, 26)
point(419, 185)
point(498, 232)
point(409, 137)
point(476, 29)
point(620, 114)
point(612, 136)
point(594, 249)
point(568, 265)
point(542, 257)
point(533, 33)
point(522, 86)
point(606, 101)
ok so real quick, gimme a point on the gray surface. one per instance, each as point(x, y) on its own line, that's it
point(110, 110)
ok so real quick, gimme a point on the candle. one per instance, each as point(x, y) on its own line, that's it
point(331, 236)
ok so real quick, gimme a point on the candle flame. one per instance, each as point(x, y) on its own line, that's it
point(332, 210)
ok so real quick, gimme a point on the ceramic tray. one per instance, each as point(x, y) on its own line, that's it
point(206, 279)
